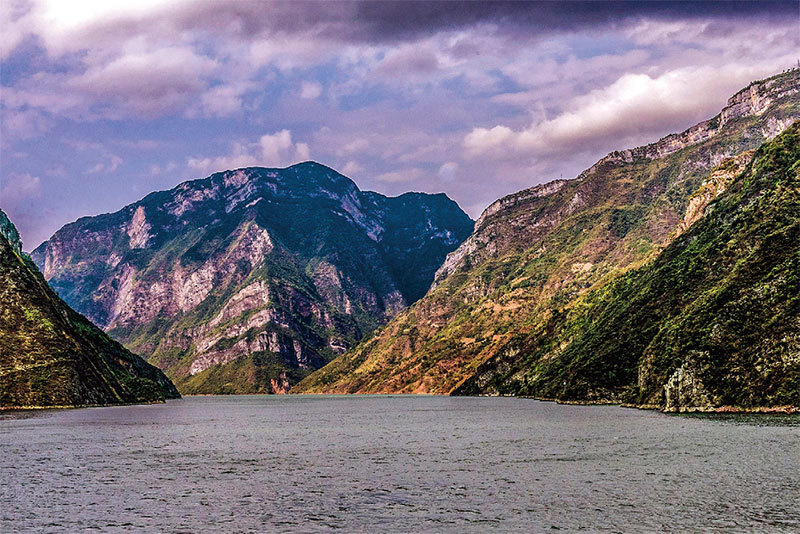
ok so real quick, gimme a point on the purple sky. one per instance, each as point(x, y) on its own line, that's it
point(102, 102)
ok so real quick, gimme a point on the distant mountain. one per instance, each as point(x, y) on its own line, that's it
point(245, 281)
point(52, 356)
point(583, 289)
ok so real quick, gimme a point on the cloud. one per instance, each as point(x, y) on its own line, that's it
point(96, 169)
point(302, 152)
point(478, 99)
point(239, 157)
point(149, 83)
point(353, 147)
point(273, 146)
point(447, 172)
point(110, 166)
point(352, 168)
point(409, 60)
point(481, 140)
point(58, 171)
point(548, 67)
point(636, 108)
point(16, 26)
point(140, 85)
point(23, 123)
point(277, 149)
point(402, 176)
point(310, 90)
point(379, 21)
point(149, 59)
point(271, 150)
point(19, 188)
point(71, 26)
point(221, 101)
point(156, 169)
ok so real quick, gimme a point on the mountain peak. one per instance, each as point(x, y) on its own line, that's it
point(494, 321)
point(294, 264)
point(9, 231)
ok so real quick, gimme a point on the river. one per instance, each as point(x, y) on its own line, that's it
point(394, 464)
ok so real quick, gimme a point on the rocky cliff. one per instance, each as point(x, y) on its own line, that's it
point(247, 280)
point(536, 254)
point(52, 356)
point(713, 321)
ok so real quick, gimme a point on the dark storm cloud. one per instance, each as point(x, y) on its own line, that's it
point(121, 98)
point(387, 21)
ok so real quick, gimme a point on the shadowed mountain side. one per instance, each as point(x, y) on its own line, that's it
point(246, 281)
point(535, 254)
point(52, 356)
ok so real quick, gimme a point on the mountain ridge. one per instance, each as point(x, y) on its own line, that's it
point(50, 356)
point(713, 319)
point(292, 265)
point(533, 253)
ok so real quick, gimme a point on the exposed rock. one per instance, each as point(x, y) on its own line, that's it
point(685, 390)
point(489, 240)
point(9, 232)
point(712, 187)
point(280, 385)
point(753, 100)
point(139, 229)
point(525, 305)
point(295, 262)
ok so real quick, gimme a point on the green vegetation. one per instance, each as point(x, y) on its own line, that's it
point(258, 372)
point(52, 356)
point(511, 317)
point(714, 320)
point(296, 262)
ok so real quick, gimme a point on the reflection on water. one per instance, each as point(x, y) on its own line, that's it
point(752, 419)
point(377, 463)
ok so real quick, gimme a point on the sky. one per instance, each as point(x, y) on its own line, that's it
point(102, 102)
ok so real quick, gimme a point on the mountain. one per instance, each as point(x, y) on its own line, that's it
point(714, 320)
point(499, 316)
point(52, 356)
point(245, 281)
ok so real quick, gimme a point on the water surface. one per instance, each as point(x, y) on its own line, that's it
point(386, 464)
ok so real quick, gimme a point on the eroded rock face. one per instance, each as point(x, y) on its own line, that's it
point(754, 100)
point(293, 264)
point(506, 314)
point(716, 184)
point(685, 391)
point(139, 229)
point(10, 233)
point(491, 235)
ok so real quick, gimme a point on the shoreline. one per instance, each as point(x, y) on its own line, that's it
point(726, 409)
point(732, 410)
point(78, 406)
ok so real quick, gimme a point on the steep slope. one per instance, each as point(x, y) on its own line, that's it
point(713, 321)
point(534, 253)
point(52, 356)
point(247, 280)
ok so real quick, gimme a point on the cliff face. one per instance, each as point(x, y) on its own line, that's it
point(249, 279)
point(755, 99)
point(52, 356)
point(754, 114)
point(712, 321)
point(9, 232)
point(535, 254)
